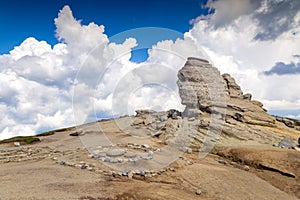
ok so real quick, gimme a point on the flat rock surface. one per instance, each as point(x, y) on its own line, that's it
point(43, 175)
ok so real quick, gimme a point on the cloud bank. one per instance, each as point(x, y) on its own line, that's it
point(86, 76)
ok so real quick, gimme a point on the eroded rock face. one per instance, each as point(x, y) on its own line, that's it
point(203, 89)
point(217, 111)
point(234, 90)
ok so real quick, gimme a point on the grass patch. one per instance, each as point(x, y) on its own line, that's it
point(33, 139)
point(46, 133)
point(21, 139)
point(54, 131)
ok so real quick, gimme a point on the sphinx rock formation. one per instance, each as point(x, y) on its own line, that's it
point(216, 110)
point(202, 89)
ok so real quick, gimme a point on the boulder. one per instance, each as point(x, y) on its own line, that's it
point(287, 142)
point(287, 122)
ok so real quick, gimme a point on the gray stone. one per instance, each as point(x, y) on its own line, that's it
point(107, 160)
point(130, 155)
point(186, 150)
point(287, 142)
point(17, 144)
point(125, 172)
point(83, 166)
point(115, 152)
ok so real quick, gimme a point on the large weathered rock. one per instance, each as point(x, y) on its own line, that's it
point(203, 89)
point(216, 111)
point(287, 122)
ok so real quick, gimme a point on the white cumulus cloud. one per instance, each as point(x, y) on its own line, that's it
point(86, 76)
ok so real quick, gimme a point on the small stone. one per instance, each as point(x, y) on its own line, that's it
point(17, 144)
point(171, 169)
point(186, 150)
point(198, 192)
point(114, 161)
point(132, 159)
point(130, 175)
point(74, 134)
point(189, 162)
point(232, 163)
point(246, 168)
point(92, 170)
point(191, 119)
point(142, 173)
point(83, 166)
point(146, 146)
point(125, 172)
point(62, 162)
point(107, 160)
point(222, 162)
point(77, 166)
point(148, 175)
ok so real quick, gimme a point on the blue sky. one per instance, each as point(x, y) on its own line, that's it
point(33, 18)
point(59, 67)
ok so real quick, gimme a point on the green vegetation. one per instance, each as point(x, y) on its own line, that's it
point(21, 139)
point(33, 139)
point(54, 131)
point(46, 133)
